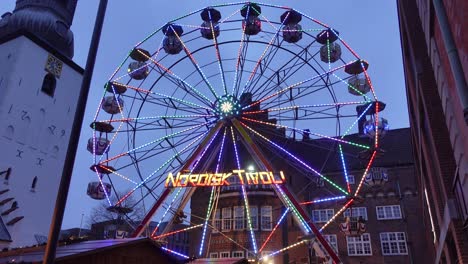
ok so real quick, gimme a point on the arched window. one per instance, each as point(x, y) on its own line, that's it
point(34, 183)
point(48, 84)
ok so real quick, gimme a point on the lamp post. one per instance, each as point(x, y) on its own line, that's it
point(60, 203)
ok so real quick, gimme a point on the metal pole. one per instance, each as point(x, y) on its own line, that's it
point(452, 54)
point(62, 194)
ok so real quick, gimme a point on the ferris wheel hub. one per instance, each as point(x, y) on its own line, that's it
point(227, 107)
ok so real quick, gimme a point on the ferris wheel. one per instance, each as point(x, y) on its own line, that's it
point(226, 99)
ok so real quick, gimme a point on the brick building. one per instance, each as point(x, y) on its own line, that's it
point(392, 211)
point(435, 56)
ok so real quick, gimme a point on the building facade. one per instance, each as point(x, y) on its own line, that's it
point(391, 211)
point(39, 84)
point(435, 56)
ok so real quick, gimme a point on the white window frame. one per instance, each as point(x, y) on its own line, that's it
point(388, 212)
point(363, 242)
point(239, 219)
point(322, 215)
point(332, 240)
point(217, 221)
point(239, 253)
point(264, 217)
point(394, 242)
point(357, 211)
point(225, 253)
point(227, 219)
point(214, 255)
point(253, 211)
point(351, 179)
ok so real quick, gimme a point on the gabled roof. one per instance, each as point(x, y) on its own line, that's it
point(36, 254)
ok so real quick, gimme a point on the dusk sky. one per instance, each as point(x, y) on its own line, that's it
point(370, 27)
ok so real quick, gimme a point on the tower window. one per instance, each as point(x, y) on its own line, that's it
point(48, 84)
point(33, 185)
point(7, 173)
point(14, 205)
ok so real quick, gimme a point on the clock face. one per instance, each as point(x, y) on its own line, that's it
point(54, 66)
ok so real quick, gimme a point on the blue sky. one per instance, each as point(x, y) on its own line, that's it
point(370, 27)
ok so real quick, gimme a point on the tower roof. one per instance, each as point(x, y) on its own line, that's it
point(49, 20)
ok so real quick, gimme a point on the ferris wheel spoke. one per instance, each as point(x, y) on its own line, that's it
point(168, 161)
point(179, 82)
point(295, 158)
point(218, 55)
point(155, 141)
point(273, 230)
point(303, 131)
point(273, 39)
point(195, 63)
point(286, 89)
point(297, 62)
point(161, 149)
point(293, 107)
point(213, 189)
point(241, 56)
point(345, 171)
point(169, 100)
point(244, 194)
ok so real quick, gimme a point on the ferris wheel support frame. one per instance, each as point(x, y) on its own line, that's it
point(263, 162)
point(193, 158)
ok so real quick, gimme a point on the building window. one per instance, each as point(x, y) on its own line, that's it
point(48, 84)
point(388, 212)
point(332, 241)
point(393, 243)
point(214, 255)
point(351, 179)
point(266, 217)
point(356, 212)
point(359, 245)
point(225, 254)
point(238, 254)
point(217, 221)
point(254, 217)
point(322, 215)
point(239, 218)
point(227, 214)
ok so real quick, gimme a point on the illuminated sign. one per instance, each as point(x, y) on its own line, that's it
point(221, 179)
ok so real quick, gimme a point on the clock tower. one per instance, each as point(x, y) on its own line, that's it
point(39, 87)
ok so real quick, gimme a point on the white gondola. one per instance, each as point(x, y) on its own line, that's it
point(206, 30)
point(138, 70)
point(98, 146)
point(335, 52)
point(172, 45)
point(110, 105)
point(370, 128)
point(96, 192)
point(252, 25)
point(358, 85)
point(210, 17)
point(292, 33)
point(376, 177)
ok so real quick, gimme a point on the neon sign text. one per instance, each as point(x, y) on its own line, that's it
point(221, 179)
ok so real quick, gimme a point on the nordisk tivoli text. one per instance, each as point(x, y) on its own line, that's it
point(221, 179)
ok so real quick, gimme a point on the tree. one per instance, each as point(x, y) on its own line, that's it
point(100, 213)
